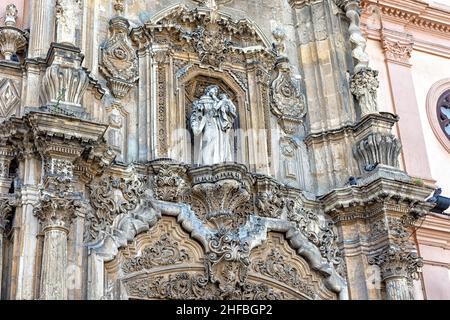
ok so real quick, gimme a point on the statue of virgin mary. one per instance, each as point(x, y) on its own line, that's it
point(212, 120)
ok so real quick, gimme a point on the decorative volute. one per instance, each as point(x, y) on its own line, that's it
point(12, 39)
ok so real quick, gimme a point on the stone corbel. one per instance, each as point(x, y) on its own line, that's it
point(374, 142)
point(12, 39)
point(65, 81)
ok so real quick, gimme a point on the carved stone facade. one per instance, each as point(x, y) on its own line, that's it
point(199, 151)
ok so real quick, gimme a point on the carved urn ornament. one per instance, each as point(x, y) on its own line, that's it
point(12, 39)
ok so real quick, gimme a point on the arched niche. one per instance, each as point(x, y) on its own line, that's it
point(182, 44)
point(191, 87)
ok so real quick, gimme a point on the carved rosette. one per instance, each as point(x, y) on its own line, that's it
point(12, 39)
point(364, 85)
point(377, 148)
point(65, 81)
point(288, 103)
point(119, 59)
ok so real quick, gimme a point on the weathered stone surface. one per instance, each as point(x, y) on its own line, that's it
point(217, 164)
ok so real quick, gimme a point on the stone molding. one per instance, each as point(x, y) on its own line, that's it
point(414, 13)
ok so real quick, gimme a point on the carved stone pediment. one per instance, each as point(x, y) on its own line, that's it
point(214, 37)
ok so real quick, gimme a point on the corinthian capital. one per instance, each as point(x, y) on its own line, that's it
point(397, 261)
point(398, 51)
point(56, 212)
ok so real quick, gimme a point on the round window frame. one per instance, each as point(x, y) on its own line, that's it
point(434, 94)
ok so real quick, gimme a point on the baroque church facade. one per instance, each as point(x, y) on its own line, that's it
point(200, 149)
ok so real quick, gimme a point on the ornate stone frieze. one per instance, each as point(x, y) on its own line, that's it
point(164, 252)
point(413, 15)
point(275, 266)
point(364, 85)
point(169, 182)
point(288, 103)
point(376, 149)
point(65, 81)
point(12, 39)
point(110, 197)
point(215, 38)
point(119, 61)
point(194, 286)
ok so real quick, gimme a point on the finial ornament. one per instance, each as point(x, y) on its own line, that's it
point(11, 15)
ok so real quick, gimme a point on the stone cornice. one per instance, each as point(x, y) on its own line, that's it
point(382, 185)
point(414, 13)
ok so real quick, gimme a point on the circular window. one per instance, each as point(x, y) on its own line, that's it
point(438, 111)
point(443, 111)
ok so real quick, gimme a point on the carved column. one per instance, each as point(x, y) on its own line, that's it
point(398, 49)
point(56, 214)
point(42, 22)
point(67, 14)
point(364, 81)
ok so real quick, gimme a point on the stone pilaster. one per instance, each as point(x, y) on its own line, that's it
point(398, 49)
